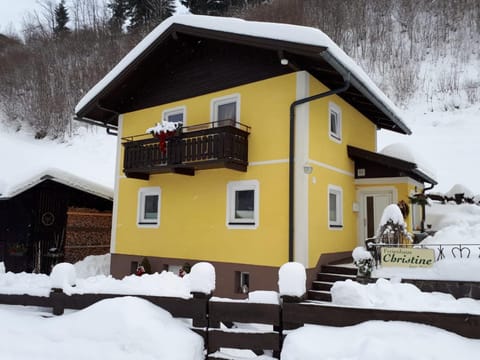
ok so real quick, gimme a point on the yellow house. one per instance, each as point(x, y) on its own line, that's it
point(275, 160)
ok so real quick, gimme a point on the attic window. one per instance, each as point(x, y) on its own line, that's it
point(335, 122)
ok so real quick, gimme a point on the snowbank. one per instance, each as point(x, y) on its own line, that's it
point(393, 340)
point(93, 265)
point(121, 328)
point(385, 294)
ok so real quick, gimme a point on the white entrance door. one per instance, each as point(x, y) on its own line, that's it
point(372, 206)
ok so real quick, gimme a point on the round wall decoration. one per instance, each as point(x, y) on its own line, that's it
point(48, 218)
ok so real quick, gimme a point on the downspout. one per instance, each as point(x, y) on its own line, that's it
point(424, 214)
point(291, 164)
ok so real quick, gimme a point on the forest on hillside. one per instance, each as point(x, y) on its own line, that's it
point(415, 50)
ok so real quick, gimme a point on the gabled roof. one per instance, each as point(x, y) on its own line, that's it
point(305, 48)
point(61, 177)
point(407, 167)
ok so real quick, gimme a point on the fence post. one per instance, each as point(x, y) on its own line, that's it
point(201, 318)
point(57, 297)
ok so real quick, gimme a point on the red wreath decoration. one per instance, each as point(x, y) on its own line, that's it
point(163, 136)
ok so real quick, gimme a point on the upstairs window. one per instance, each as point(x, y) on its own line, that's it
point(335, 122)
point(242, 204)
point(175, 115)
point(149, 207)
point(226, 110)
point(335, 208)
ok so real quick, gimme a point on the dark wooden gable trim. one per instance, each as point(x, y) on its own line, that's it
point(192, 66)
point(105, 105)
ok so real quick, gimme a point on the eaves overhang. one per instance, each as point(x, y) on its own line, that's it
point(392, 162)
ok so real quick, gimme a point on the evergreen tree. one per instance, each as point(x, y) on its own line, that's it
point(61, 19)
point(119, 14)
point(148, 13)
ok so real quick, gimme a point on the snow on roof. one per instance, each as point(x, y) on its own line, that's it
point(275, 31)
point(59, 176)
point(85, 162)
point(459, 189)
point(403, 152)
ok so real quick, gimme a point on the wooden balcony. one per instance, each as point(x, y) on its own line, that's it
point(191, 148)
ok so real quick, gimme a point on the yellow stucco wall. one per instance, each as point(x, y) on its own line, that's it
point(193, 209)
point(332, 166)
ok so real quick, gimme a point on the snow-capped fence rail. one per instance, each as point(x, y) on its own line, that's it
point(295, 315)
point(256, 326)
point(253, 338)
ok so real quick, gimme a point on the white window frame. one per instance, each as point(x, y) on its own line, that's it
point(142, 222)
point(231, 221)
point(338, 192)
point(335, 109)
point(225, 100)
point(175, 111)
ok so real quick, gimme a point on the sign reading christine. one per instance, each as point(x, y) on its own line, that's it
point(407, 257)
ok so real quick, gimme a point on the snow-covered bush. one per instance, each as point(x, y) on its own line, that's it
point(2, 267)
point(202, 278)
point(292, 279)
point(392, 228)
point(363, 260)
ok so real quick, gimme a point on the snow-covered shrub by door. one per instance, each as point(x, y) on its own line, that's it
point(202, 278)
point(292, 279)
point(392, 229)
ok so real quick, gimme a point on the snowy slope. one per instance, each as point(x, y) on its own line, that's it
point(447, 140)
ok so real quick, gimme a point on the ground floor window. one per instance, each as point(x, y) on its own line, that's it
point(242, 204)
point(335, 208)
point(149, 207)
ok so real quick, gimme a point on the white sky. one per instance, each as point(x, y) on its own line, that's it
point(12, 13)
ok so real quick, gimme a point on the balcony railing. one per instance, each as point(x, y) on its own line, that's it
point(204, 146)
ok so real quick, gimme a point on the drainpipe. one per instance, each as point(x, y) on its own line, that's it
point(424, 215)
point(291, 164)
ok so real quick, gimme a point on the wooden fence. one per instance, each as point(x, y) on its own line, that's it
point(270, 320)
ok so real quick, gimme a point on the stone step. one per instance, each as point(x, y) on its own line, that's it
point(333, 269)
point(319, 295)
point(326, 277)
point(322, 285)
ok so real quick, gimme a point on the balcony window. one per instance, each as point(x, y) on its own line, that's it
point(226, 110)
point(149, 207)
point(242, 204)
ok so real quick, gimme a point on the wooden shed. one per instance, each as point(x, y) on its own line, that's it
point(53, 217)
